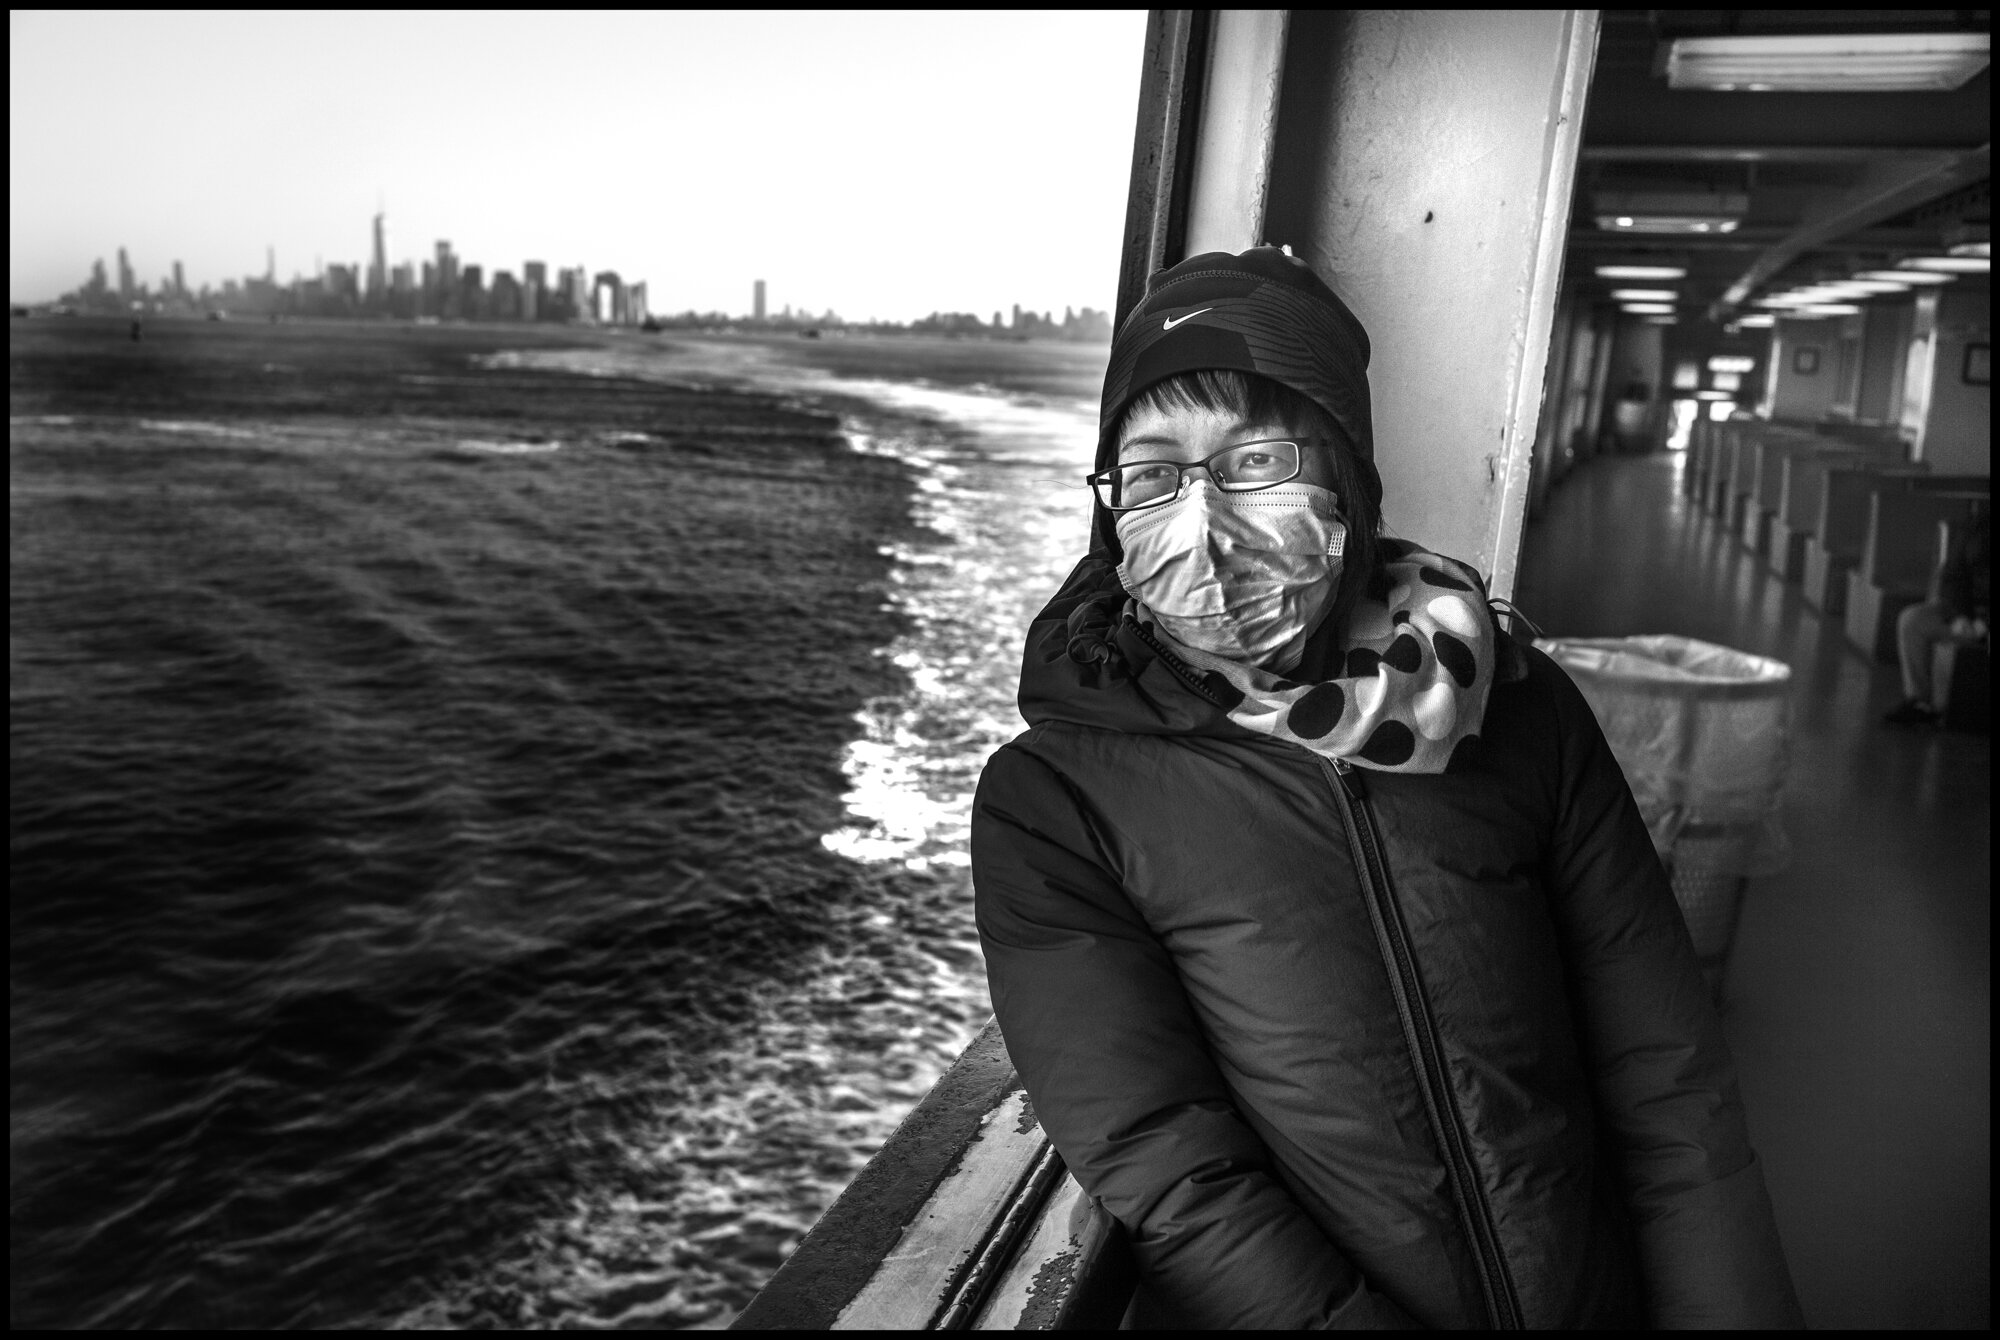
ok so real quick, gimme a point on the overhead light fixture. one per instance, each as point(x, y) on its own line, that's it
point(1660, 320)
point(1981, 249)
point(1642, 272)
point(1827, 63)
point(1949, 265)
point(1782, 300)
point(1727, 381)
point(1876, 287)
point(1757, 321)
point(1832, 309)
point(1670, 211)
point(1904, 276)
point(1714, 395)
point(1644, 294)
point(1731, 363)
point(1647, 308)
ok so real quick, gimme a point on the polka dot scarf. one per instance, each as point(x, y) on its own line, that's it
point(1413, 689)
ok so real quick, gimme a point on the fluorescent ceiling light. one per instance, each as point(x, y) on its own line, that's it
point(1949, 265)
point(1731, 363)
point(1714, 395)
point(1644, 294)
point(1876, 286)
point(1782, 300)
point(1757, 321)
point(1984, 249)
point(1670, 211)
point(1660, 320)
point(1727, 381)
point(1825, 63)
point(1904, 276)
point(1664, 223)
point(1642, 272)
point(1647, 308)
point(1832, 309)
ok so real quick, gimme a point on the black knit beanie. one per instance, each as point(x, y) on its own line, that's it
point(1263, 312)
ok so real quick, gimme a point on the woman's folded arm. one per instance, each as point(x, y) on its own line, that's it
point(1665, 1084)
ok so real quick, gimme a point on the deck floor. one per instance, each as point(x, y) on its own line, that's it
point(1856, 997)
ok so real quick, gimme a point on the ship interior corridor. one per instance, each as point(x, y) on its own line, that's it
point(1856, 993)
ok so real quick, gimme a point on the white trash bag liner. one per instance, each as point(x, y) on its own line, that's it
point(1701, 732)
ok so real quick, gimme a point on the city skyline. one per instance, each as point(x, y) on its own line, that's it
point(880, 165)
point(438, 285)
point(447, 286)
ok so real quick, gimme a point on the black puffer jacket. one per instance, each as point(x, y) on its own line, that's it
point(1343, 1048)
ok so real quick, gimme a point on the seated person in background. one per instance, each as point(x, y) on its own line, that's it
point(1960, 610)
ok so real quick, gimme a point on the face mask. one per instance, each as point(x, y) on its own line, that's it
point(1244, 576)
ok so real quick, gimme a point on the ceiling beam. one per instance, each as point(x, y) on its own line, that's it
point(1747, 239)
point(1632, 108)
point(1760, 153)
point(1887, 188)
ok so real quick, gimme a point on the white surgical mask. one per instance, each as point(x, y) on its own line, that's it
point(1244, 576)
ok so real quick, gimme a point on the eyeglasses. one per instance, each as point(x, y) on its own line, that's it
point(1242, 468)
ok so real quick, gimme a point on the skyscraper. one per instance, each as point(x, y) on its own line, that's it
point(378, 269)
point(472, 293)
point(445, 299)
point(534, 282)
point(757, 302)
point(125, 280)
point(180, 280)
point(576, 293)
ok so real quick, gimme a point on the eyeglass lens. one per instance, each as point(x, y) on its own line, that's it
point(1238, 469)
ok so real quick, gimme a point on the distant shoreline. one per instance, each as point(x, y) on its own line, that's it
point(742, 329)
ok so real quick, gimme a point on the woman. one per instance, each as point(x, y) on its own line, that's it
point(1321, 925)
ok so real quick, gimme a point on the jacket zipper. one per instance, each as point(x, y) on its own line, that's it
point(1420, 1033)
point(1181, 668)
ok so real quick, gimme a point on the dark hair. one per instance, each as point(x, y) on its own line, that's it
point(1260, 400)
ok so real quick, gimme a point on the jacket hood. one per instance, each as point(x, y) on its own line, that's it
point(1262, 312)
point(1086, 663)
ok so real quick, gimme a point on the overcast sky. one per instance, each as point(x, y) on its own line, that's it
point(880, 164)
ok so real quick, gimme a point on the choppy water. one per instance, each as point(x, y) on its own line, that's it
point(487, 842)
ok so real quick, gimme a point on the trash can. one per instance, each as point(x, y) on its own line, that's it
point(1701, 732)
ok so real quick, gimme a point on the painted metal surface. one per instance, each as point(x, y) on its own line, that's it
point(848, 1245)
point(965, 1220)
point(1239, 124)
point(1156, 202)
point(933, 1275)
point(1424, 165)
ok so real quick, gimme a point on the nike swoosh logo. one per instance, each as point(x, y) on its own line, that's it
point(1173, 321)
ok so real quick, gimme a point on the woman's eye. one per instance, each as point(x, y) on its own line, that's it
point(1147, 474)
